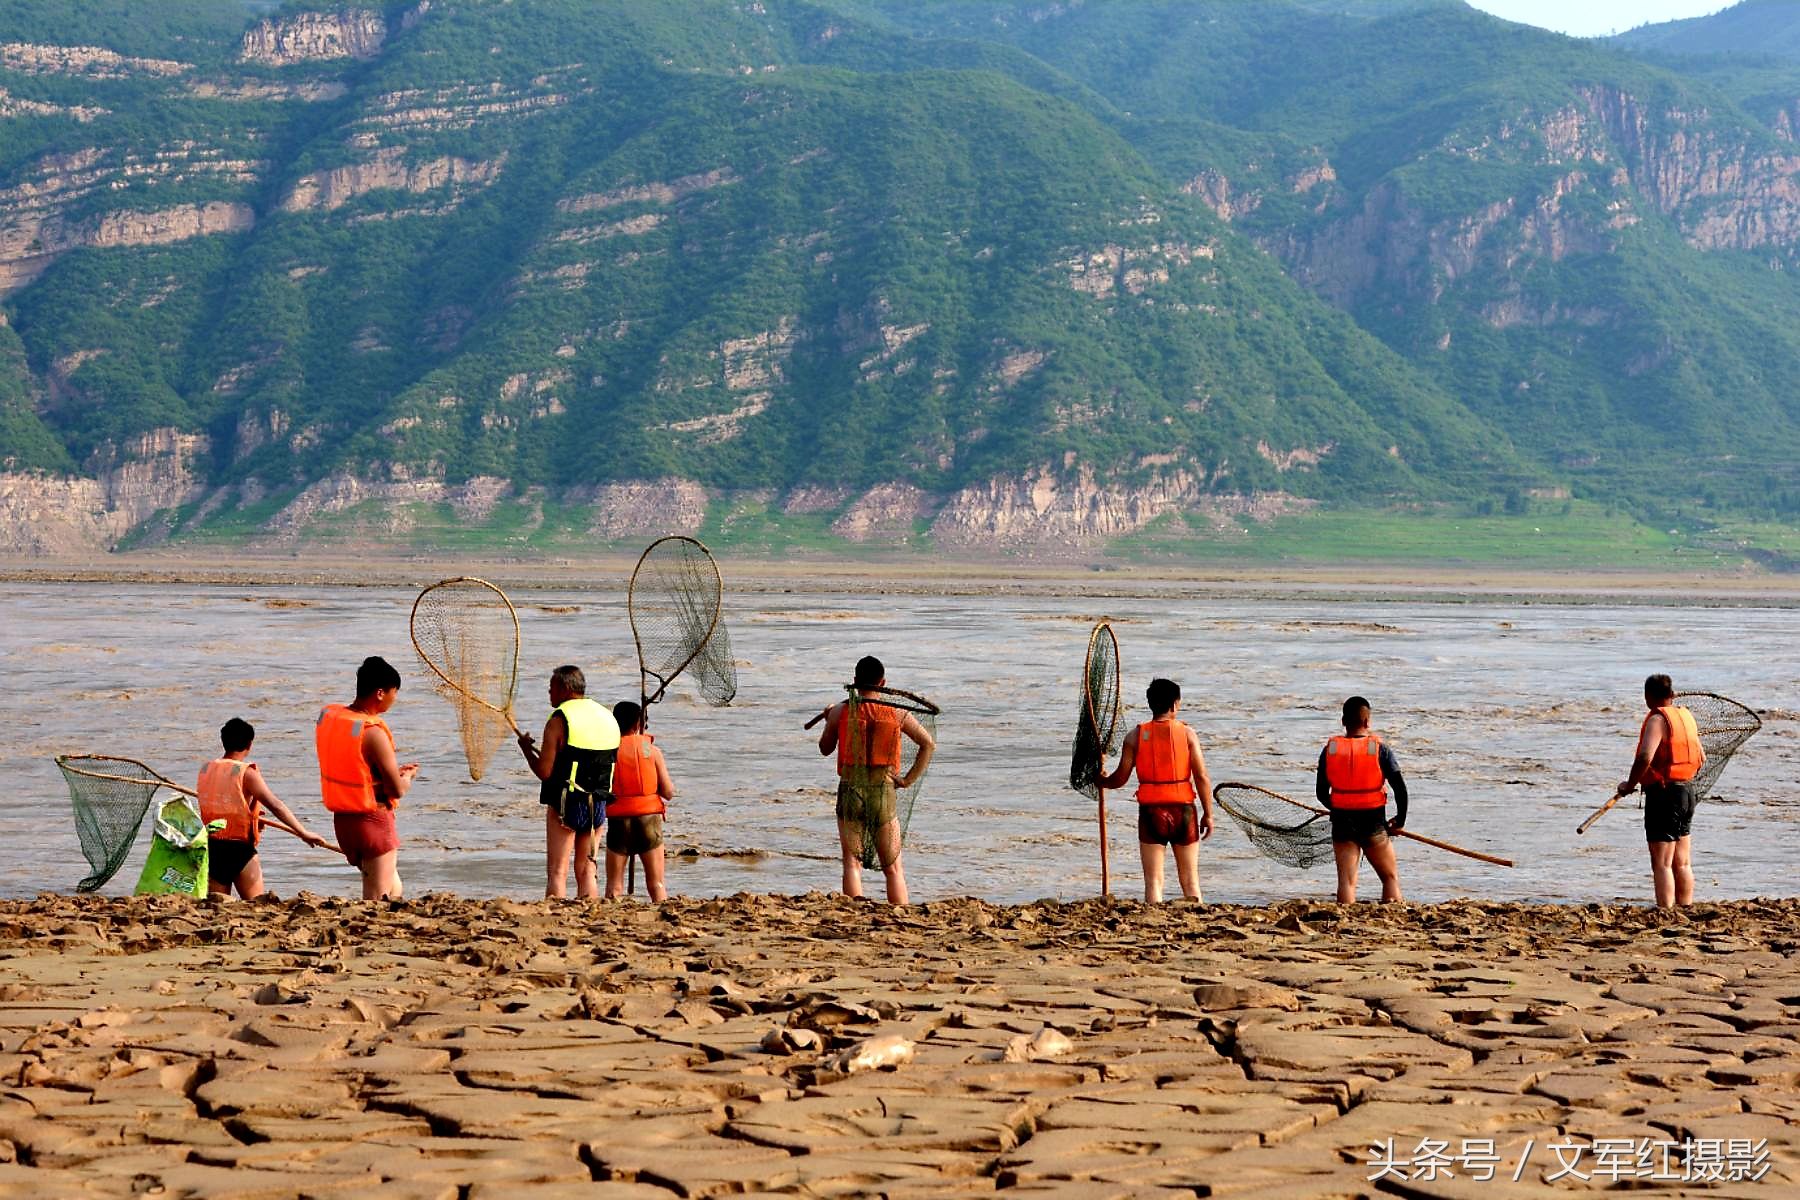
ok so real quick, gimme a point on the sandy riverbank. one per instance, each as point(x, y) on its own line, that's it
point(818, 1046)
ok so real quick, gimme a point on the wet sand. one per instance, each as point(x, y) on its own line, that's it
point(818, 1046)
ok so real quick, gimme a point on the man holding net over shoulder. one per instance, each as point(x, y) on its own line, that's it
point(1669, 755)
point(232, 790)
point(1171, 773)
point(1355, 771)
point(866, 735)
point(361, 780)
point(575, 764)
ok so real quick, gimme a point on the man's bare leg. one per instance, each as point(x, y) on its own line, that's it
point(1349, 862)
point(1187, 869)
point(559, 841)
point(654, 886)
point(1662, 873)
point(1151, 855)
point(887, 849)
point(615, 874)
point(1381, 857)
point(381, 876)
point(250, 880)
point(587, 881)
point(1683, 865)
point(850, 846)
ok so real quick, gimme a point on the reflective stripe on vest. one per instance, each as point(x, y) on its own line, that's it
point(1164, 764)
point(634, 779)
point(1680, 756)
point(584, 762)
point(222, 798)
point(1353, 768)
point(872, 739)
point(345, 782)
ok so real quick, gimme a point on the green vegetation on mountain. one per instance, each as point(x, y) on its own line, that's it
point(1373, 254)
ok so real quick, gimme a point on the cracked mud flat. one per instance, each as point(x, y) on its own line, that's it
point(817, 1046)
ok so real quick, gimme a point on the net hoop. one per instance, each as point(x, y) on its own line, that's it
point(72, 763)
point(512, 613)
point(646, 697)
point(1097, 723)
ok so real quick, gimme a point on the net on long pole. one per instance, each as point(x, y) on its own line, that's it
point(1724, 726)
point(1279, 830)
point(1097, 716)
point(466, 633)
point(674, 602)
point(111, 797)
point(870, 791)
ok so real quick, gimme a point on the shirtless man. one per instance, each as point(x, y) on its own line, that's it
point(868, 766)
point(232, 790)
point(1668, 757)
point(360, 779)
point(1171, 772)
point(1354, 773)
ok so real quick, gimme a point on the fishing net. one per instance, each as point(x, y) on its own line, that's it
point(869, 790)
point(1724, 726)
point(111, 797)
point(674, 604)
point(1278, 828)
point(467, 634)
point(1097, 717)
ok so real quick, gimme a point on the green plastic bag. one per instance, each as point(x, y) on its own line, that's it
point(177, 861)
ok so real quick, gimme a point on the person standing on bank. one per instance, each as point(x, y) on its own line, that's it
point(642, 790)
point(1355, 771)
point(1171, 775)
point(1669, 755)
point(869, 779)
point(232, 790)
point(575, 764)
point(360, 779)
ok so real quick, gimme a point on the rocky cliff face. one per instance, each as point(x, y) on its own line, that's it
point(315, 37)
point(44, 515)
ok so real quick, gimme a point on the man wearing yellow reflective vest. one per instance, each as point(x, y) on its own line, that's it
point(1355, 771)
point(575, 763)
point(1668, 757)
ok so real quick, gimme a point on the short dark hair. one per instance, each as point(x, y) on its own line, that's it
point(236, 734)
point(375, 674)
point(1356, 710)
point(1162, 695)
point(869, 672)
point(572, 679)
point(1659, 687)
point(627, 713)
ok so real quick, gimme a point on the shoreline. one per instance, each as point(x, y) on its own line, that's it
point(441, 1047)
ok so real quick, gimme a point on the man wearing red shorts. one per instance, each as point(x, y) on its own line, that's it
point(360, 779)
point(1171, 774)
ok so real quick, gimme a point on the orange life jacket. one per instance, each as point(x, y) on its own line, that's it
point(345, 781)
point(872, 740)
point(634, 779)
point(222, 798)
point(1164, 764)
point(1680, 756)
point(1353, 768)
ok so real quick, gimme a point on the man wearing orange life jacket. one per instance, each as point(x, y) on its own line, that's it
point(869, 782)
point(1355, 771)
point(1171, 775)
point(360, 779)
point(641, 792)
point(576, 766)
point(1669, 755)
point(232, 790)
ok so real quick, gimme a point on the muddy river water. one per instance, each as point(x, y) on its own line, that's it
point(1512, 721)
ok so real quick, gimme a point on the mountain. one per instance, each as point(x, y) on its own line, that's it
point(547, 273)
point(1760, 28)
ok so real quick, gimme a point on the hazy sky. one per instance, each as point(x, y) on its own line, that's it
point(1590, 18)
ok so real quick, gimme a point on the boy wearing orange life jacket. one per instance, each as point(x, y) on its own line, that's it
point(1669, 755)
point(869, 782)
point(1171, 775)
point(641, 791)
point(1355, 771)
point(232, 790)
point(360, 779)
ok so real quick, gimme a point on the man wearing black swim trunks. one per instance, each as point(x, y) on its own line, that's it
point(1355, 771)
point(1668, 757)
point(1172, 776)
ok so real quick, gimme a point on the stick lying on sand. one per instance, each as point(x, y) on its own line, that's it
point(1405, 833)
